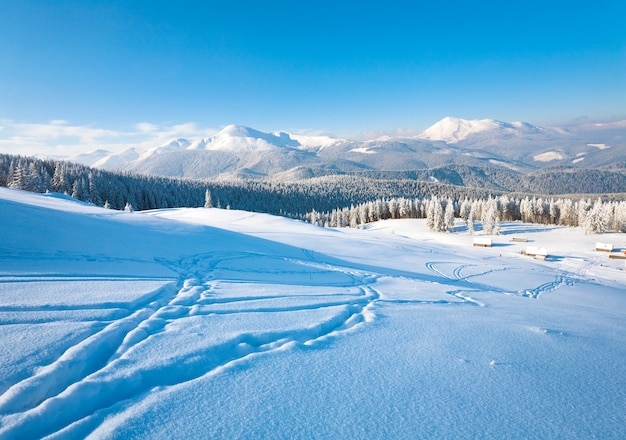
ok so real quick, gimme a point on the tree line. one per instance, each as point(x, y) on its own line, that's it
point(335, 201)
point(294, 199)
point(595, 216)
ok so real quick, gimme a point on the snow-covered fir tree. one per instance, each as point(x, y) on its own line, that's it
point(471, 218)
point(448, 216)
point(490, 218)
point(596, 220)
point(435, 215)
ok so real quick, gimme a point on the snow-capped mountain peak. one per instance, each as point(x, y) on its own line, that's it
point(241, 138)
point(453, 130)
point(234, 130)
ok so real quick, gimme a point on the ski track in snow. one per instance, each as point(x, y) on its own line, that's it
point(456, 274)
point(107, 363)
point(547, 287)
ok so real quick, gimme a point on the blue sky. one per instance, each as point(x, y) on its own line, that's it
point(82, 74)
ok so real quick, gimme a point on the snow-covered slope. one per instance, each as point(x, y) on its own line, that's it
point(240, 138)
point(315, 142)
point(92, 157)
point(454, 130)
point(209, 323)
point(117, 160)
point(168, 147)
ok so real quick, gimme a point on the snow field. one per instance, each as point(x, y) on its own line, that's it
point(225, 324)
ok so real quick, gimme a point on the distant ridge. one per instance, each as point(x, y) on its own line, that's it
point(244, 152)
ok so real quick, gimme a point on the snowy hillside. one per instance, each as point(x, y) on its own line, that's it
point(118, 160)
point(93, 158)
point(206, 323)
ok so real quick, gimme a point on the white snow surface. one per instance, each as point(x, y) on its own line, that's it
point(548, 156)
point(313, 142)
point(599, 146)
point(453, 130)
point(238, 138)
point(117, 160)
point(364, 150)
point(208, 323)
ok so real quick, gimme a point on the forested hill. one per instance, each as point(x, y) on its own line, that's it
point(118, 190)
point(550, 181)
point(121, 190)
point(574, 181)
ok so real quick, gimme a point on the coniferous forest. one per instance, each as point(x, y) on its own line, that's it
point(331, 201)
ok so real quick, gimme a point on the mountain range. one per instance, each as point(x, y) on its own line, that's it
point(243, 152)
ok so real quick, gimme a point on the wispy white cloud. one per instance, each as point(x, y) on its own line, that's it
point(62, 129)
point(55, 138)
point(62, 138)
point(146, 127)
point(397, 132)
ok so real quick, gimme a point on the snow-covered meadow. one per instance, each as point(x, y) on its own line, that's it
point(208, 323)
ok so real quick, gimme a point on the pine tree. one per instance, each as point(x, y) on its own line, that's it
point(394, 208)
point(490, 218)
point(504, 208)
point(449, 216)
point(18, 179)
point(465, 209)
point(620, 217)
point(11, 175)
point(353, 221)
point(94, 195)
point(58, 178)
point(363, 214)
point(496, 225)
point(343, 218)
point(525, 210)
point(77, 190)
point(583, 212)
point(471, 217)
point(207, 199)
point(567, 212)
point(438, 216)
point(554, 212)
point(596, 220)
point(33, 181)
point(430, 214)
